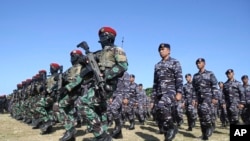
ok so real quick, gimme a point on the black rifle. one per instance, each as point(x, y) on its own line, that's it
point(59, 82)
point(92, 64)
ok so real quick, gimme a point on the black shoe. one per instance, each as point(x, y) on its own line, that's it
point(28, 121)
point(46, 128)
point(117, 133)
point(68, 135)
point(104, 137)
point(170, 134)
point(204, 138)
point(209, 131)
point(132, 125)
point(180, 123)
point(36, 123)
point(189, 129)
point(78, 124)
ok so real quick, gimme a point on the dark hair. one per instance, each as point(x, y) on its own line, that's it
point(220, 82)
point(140, 84)
point(131, 75)
point(244, 76)
point(187, 75)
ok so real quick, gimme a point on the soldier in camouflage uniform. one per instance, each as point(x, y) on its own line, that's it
point(222, 109)
point(189, 95)
point(246, 108)
point(69, 93)
point(112, 62)
point(44, 105)
point(16, 104)
point(205, 86)
point(233, 94)
point(132, 99)
point(116, 105)
point(141, 97)
point(167, 90)
point(37, 93)
point(3, 101)
point(27, 115)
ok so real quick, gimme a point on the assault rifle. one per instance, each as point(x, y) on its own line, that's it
point(92, 65)
point(59, 82)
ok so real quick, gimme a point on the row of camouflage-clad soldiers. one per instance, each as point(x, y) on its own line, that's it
point(31, 104)
point(80, 94)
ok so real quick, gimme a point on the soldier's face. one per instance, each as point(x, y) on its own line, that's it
point(132, 79)
point(245, 81)
point(140, 87)
point(221, 85)
point(200, 65)
point(230, 75)
point(188, 78)
point(164, 52)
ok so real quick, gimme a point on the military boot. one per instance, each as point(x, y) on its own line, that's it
point(47, 127)
point(78, 124)
point(28, 120)
point(171, 132)
point(204, 132)
point(69, 135)
point(36, 123)
point(104, 137)
point(117, 133)
point(209, 130)
point(132, 124)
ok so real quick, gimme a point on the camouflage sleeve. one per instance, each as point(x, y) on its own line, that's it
point(222, 97)
point(154, 92)
point(215, 91)
point(242, 94)
point(120, 66)
point(178, 77)
point(73, 84)
point(194, 96)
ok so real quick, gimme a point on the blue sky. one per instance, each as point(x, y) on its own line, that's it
point(34, 34)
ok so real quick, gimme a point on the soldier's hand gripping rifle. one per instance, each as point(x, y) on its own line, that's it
point(92, 65)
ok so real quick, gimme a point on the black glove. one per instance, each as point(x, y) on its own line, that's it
point(63, 91)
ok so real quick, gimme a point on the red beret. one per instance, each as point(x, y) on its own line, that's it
point(19, 85)
point(42, 71)
point(107, 29)
point(55, 65)
point(76, 52)
point(23, 82)
point(37, 76)
point(28, 80)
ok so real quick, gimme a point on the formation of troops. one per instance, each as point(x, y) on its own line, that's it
point(97, 91)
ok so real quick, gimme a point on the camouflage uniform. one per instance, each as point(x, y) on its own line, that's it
point(222, 110)
point(233, 96)
point(140, 111)
point(168, 82)
point(132, 101)
point(116, 105)
point(112, 63)
point(45, 104)
point(246, 110)
point(205, 86)
point(71, 90)
point(191, 110)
